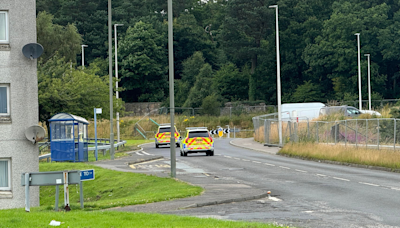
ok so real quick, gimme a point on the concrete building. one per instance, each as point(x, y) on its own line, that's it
point(18, 102)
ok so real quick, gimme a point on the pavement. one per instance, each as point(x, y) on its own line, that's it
point(216, 190)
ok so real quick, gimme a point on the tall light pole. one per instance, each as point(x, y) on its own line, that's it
point(83, 56)
point(369, 80)
point(116, 74)
point(278, 76)
point(110, 80)
point(171, 87)
point(359, 72)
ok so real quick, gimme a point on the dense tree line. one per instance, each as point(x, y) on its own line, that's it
point(225, 50)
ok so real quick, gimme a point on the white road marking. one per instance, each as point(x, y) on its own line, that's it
point(227, 156)
point(145, 153)
point(321, 175)
point(369, 184)
point(256, 162)
point(269, 164)
point(298, 170)
point(337, 178)
point(283, 167)
point(237, 158)
point(245, 160)
point(397, 189)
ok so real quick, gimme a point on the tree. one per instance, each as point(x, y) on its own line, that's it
point(333, 58)
point(66, 41)
point(230, 83)
point(63, 88)
point(143, 61)
point(308, 92)
point(201, 88)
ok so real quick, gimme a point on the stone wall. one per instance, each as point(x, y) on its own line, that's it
point(141, 108)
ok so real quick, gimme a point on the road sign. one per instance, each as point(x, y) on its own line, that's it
point(226, 131)
point(220, 132)
point(87, 174)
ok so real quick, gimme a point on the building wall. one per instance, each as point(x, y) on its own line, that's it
point(20, 73)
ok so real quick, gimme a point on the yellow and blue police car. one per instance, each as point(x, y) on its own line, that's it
point(163, 135)
point(197, 140)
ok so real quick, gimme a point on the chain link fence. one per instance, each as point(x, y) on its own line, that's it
point(369, 133)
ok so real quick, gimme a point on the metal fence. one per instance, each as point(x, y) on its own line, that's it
point(369, 133)
point(225, 111)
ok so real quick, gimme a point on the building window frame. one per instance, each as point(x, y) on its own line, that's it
point(7, 86)
point(6, 40)
point(7, 188)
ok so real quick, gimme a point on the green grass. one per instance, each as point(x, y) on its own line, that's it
point(18, 218)
point(113, 188)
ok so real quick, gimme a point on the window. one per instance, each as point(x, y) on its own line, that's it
point(4, 100)
point(3, 27)
point(5, 174)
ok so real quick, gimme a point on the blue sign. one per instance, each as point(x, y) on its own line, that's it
point(87, 174)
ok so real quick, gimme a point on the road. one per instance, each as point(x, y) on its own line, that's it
point(307, 193)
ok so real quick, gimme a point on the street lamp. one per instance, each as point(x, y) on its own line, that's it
point(83, 56)
point(111, 92)
point(369, 81)
point(116, 75)
point(359, 72)
point(171, 86)
point(278, 76)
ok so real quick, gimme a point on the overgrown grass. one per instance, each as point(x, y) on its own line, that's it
point(361, 155)
point(17, 218)
point(113, 188)
point(181, 121)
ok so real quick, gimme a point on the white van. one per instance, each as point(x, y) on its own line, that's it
point(301, 111)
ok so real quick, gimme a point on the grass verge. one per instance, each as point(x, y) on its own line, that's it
point(19, 219)
point(113, 188)
point(362, 156)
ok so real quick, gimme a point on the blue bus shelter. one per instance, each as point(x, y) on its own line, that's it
point(68, 138)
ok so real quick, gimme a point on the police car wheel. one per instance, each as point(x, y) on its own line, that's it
point(184, 154)
point(177, 145)
point(157, 145)
point(181, 153)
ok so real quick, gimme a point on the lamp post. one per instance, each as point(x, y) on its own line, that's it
point(83, 56)
point(116, 75)
point(369, 80)
point(359, 71)
point(278, 76)
point(110, 80)
point(171, 86)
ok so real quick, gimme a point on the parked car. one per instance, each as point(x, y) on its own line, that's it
point(346, 111)
point(197, 140)
point(163, 135)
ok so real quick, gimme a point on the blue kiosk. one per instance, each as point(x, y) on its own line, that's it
point(69, 138)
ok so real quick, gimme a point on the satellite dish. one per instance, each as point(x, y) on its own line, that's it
point(32, 50)
point(35, 133)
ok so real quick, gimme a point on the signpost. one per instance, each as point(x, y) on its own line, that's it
point(96, 111)
point(56, 178)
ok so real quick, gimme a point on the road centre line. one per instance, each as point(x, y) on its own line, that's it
point(237, 158)
point(269, 164)
point(369, 184)
point(245, 160)
point(393, 188)
point(338, 178)
point(283, 167)
point(227, 156)
point(145, 153)
point(256, 162)
point(298, 170)
point(321, 175)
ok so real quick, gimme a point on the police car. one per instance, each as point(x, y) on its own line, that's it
point(197, 140)
point(163, 135)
